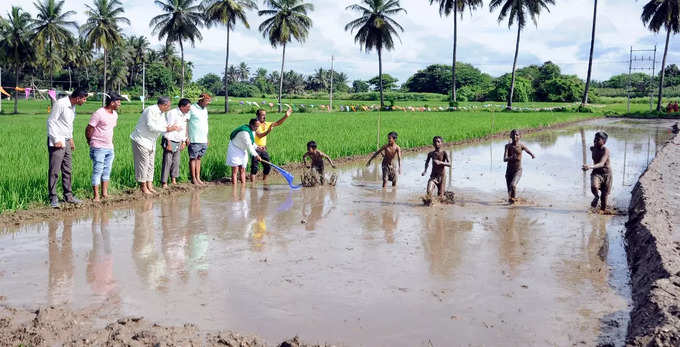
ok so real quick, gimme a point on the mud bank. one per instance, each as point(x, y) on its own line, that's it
point(49, 326)
point(653, 247)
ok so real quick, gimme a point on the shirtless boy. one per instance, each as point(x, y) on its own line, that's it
point(317, 158)
point(440, 160)
point(389, 151)
point(513, 156)
point(601, 177)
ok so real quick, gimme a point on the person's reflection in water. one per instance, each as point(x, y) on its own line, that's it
point(99, 272)
point(198, 241)
point(314, 200)
point(150, 264)
point(174, 239)
point(390, 215)
point(514, 240)
point(597, 247)
point(257, 228)
point(60, 276)
point(443, 242)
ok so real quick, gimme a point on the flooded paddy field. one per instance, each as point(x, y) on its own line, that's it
point(357, 264)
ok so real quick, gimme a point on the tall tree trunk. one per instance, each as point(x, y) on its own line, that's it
point(87, 77)
point(69, 79)
point(590, 59)
point(181, 49)
point(104, 92)
point(226, 80)
point(382, 100)
point(51, 66)
point(663, 67)
point(283, 59)
point(514, 67)
point(455, 44)
point(16, 92)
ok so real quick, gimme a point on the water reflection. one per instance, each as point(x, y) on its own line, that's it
point(60, 272)
point(390, 215)
point(99, 270)
point(173, 240)
point(149, 262)
point(517, 233)
point(198, 241)
point(257, 229)
point(314, 205)
point(443, 242)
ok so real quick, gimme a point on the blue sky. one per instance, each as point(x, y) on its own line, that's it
point(562, 36)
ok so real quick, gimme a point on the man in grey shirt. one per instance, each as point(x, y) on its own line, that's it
point(60, 145)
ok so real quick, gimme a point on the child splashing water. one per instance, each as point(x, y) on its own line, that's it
point(513, 156)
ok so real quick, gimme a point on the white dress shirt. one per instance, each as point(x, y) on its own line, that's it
point(242, 141)
point(151, 124)
point(176, 117)
point(60, 122)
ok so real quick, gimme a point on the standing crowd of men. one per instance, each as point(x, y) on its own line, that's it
point(185, 126)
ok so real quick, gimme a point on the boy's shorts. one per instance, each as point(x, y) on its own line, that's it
point(197, 150)
point(388, 172)
point(601, 181)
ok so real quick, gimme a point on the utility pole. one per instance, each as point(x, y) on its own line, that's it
point(651, 80)
point(330, 108)
point(630, 70)
point(143, 84)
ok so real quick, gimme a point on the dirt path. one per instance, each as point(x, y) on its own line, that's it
point(50, 326)
point(653, 236)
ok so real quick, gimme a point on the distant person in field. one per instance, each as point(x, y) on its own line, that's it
point(389, 151)
point(676, 108)
point(261, 141)
point(440, 160)
point(151, 124)
point(174, 142)
point(669, 107)
point(601, 177)
point(60, 145)
point(99, 135)
point(513, 156)
point(316, 157)
point(242, 145)
point(198, 136)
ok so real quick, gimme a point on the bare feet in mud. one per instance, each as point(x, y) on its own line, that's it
point(610, 211)
point(593, 203)
point(164, 186)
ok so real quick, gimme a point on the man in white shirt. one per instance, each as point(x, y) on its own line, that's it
point(60, 145)
point(151, 124)
point(173, 142)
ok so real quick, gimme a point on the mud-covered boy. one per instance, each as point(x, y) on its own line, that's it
point(389, 151)
point(513, 156)
point(317, 158)
point(440, 160)
point(601, 177)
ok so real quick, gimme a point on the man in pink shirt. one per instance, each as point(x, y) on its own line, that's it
point(99, 134)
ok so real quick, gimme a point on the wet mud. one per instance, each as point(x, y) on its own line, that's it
point(357, 264)
point(653, 235)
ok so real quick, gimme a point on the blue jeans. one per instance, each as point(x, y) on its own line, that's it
point(102, 160)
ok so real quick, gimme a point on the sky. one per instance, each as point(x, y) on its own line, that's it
point(561, 36)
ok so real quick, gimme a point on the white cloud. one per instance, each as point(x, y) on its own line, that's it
point(561, 36)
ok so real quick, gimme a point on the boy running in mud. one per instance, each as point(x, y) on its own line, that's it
point(513, 156)
point(317, 158)
point(601, 177)
point(389, 151)
point(440, 160)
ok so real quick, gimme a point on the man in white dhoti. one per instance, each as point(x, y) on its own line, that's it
point(241, 146)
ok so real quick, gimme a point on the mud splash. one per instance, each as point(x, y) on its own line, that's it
point(357, 264)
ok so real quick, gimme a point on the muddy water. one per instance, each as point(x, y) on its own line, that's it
point(359, 265)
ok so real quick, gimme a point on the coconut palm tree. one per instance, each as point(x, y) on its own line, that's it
point(227, 13)
point(102, 29)
point(243, 71)
point(657, 14)
point(375, 28)
point(15, 43)
point(84, 54)
point(518, 11)
point(51, 29)
point(445, 9)
point(288, 21)
point(139, 46)
point(590, 59)
point(180, 21)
